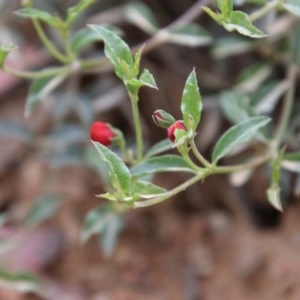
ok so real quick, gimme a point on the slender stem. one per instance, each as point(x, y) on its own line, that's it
point(172, 192)
point(250, 165)
point(198, 155)
point(34, 75)
point(190, 162)
point(137, 126)
point(201, 175)
point(287, 105)
point(263, 11)
point(49, 45)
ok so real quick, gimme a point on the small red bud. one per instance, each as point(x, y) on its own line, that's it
point(171, 130)
point(162, 118)
point(102, 133)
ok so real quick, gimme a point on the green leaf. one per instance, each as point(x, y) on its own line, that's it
point(44, 208)
point(240, 133)
point(146, 190)
point(291, 161)
point(231, 45)
point(292, 6)
point(164, 163)
point(295, 43)
point(253, 76)
point(83, 38)
point(217, 17)
point(116, 50)
point(35, 13)
point(240, 22)
point(4, 51)
point(189, 35)
point(73, 11)
point(265, 98)
point(110, 233)
point(140, 15)
point(147, 79)
point(16, 131)
point(102, 220)
point(39, 90)
point(118, 171)
point(137, 61)
point(21, 282)
point(273, 194)
point(235, 106)
point(182, 137)
point(292, 156)
point(160, 147)
point(191, 102)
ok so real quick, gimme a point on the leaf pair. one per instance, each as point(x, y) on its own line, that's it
point(234, 20)
point(125, 65)
point(55, 21)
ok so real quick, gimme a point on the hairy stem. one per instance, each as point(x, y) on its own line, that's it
point(287, 105)
point(137, 126)
point(198, 155)
point(172, 192)
point(48, 44)
point(35, 75)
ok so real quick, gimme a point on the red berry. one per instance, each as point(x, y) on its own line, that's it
point(102, 133)
point(171, 130)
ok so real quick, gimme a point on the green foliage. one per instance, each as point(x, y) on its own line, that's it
point(234, 20)
point(116, 50)
point(163, 163)
point(240, 133)
point(191, 102)
point(4, 51)
point(104, 221)
point(130, 169)
point(37, 14)
point(119, 173)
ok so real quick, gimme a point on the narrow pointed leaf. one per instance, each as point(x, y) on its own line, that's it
point(110, 233)
point(115, 49)
point(240, 22)
point(4, 51)
point(35, 13)
point(240, 133)
point(147, 79)
point(189, 35)
point(160, 147)
point(164, 163)
point(83, 38)
point(105, 221)
point(191, 102)
point(73, 11)
point(273, 194)
point(140, 15)
point(145, 189)
point(119, 173)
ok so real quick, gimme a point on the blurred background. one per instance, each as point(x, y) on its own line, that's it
point(220, 239)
